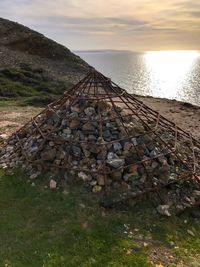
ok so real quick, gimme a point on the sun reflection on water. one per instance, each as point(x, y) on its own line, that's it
point(168, 71)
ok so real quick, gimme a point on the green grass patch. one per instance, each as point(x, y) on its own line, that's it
point(40, 227)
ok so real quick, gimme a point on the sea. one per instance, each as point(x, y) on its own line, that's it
point(163, 74)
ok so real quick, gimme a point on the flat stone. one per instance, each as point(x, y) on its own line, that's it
point(93, 182)
point(116, 163)
point(33, 176)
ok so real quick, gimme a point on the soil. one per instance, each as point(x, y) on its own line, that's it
point(184, 115)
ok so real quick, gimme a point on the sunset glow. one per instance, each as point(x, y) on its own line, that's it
point(135, 25)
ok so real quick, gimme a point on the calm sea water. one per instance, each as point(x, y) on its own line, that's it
point(165, 74)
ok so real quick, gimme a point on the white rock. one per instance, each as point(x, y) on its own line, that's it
point(111, 156)
point(85, 177)
point(67, 131)
point(190, 232)
point(134, 141)
point(164, 210)
point(52, 184)
point(33, 176)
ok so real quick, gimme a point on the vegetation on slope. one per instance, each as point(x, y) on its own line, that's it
point(33, 68)
point(30, 86)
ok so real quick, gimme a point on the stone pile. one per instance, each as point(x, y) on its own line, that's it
point(107, 148)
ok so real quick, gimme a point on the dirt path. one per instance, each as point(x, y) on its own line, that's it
point(185, 116)
point(12, 118)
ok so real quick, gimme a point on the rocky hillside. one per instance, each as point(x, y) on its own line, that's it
point(31, 64)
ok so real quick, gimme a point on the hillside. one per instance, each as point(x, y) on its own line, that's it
point(33, 65)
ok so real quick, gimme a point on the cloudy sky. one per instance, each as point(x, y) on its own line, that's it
point(111, 24)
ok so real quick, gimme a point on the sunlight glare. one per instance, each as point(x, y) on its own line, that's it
point(168, 70)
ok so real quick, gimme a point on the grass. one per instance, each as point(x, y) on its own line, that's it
point(29, 87)
point(40, 227)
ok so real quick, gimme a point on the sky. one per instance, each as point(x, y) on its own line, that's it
point(137, 25)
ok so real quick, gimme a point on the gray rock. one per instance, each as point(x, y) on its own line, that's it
point(117, 146)
point(67, 131)
point(76, 150)
point(116, 162)
point(107, 134)
point(89, 111)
